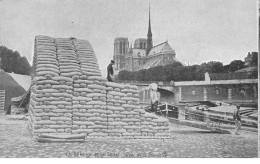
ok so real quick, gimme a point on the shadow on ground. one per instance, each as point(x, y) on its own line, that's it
point(192, 132)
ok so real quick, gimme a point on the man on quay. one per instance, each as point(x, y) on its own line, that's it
point(154, 97)
point(237, 119)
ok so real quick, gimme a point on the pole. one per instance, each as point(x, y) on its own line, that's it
point(24, 98)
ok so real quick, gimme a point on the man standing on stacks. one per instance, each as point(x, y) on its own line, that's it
point(110, 71)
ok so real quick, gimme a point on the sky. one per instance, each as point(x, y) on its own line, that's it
point(198, 30)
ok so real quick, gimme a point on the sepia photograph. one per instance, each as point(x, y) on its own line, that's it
point(129, 79)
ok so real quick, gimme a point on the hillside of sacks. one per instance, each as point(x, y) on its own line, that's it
point(69, 96)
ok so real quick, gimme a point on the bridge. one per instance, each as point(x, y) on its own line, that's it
point(240, 91)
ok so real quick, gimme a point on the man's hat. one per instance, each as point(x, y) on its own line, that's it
point(112, 61)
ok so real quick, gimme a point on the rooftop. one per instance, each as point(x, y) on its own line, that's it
point(161, 48)
point(121, 38)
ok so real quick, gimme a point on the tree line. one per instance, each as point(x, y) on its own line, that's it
point(178, 72)
point(12, 61)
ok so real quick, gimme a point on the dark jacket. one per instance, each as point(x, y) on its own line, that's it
point(110, 72)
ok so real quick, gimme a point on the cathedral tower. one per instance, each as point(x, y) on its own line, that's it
point(121, 46)
point(149, 36)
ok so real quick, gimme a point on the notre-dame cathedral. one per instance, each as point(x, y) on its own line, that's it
point(143, 55)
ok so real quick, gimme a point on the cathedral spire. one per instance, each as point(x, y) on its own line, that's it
point(149, 27)
point(149, 36)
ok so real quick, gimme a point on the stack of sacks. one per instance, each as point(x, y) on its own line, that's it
point(88, 103)
point(162, 127)
point(147, 125)
point(69, 96)
point(87, 58)
point(45, 59)
point(51, 95)
point(89, 106)
point(67, 57)
point(123, 110)
point(152, 125)
point(51, 104)
point(98, 105)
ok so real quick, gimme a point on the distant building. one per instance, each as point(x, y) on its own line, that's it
point(143, 55)
point(120, 50)
point(252, 59)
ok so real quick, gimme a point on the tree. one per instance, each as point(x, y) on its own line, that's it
point(190, 73)
point(13, 62)
point(25, 68)
point(5, 55)
point(226, 69)
point(177, 72)
point(140, 75)
point(215, 67)
point(210, 67)
point(123, 75)
point(236, 65)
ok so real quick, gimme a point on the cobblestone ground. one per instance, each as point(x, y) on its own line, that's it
point(17, 142)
